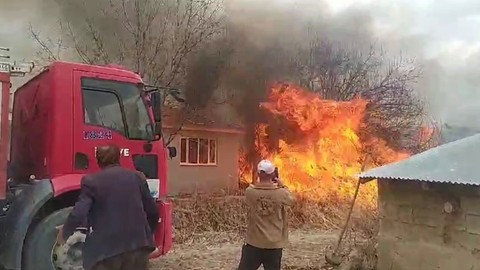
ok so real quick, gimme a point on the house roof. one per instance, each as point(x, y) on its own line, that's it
point(455, 162)
point(198, 120)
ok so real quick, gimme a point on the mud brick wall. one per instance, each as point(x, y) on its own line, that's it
point(417, 233)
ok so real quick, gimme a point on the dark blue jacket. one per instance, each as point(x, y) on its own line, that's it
point(118, 207)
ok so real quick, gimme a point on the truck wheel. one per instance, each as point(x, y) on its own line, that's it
point(42, 252)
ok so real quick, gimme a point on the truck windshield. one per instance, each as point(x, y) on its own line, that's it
point(118, 106)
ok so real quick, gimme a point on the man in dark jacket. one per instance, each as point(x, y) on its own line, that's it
point(121, 213)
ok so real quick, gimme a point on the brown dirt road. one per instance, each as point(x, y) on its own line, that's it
point(218, 251)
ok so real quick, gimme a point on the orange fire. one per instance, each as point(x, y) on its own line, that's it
point(319, 149)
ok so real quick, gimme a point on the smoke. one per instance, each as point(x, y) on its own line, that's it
point(15, 19)
point(439, 37)
point(203, 72)
point(265, 37)
point(263, 40)
point(455, 94)
point(442, 36)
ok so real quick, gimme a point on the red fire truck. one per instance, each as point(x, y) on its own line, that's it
point(59, 117)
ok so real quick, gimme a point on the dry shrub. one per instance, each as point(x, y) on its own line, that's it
point(200, 214)
point(203, 213)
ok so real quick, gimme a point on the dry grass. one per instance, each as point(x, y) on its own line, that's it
point(209, 230)
point(193, 216)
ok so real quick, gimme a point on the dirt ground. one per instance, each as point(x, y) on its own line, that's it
point(222, 251)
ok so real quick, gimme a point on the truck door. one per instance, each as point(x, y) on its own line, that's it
point(108, 109)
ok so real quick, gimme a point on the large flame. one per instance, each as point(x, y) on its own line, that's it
point(319, 149)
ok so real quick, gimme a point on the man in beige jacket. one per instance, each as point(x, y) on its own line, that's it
point(267, 230)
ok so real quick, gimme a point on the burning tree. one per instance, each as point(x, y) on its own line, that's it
point(352, 110)
point(319, 148)
point(394, 111)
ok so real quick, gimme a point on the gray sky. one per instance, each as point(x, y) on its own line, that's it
point(442, 34)
point(15, 18)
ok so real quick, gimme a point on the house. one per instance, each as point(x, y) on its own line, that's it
point(429, 207)
point(207, 151)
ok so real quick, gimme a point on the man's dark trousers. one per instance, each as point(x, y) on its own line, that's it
point(133, 260)
point(253, 258)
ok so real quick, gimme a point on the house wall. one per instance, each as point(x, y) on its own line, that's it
point(416, 232)
point(188, 179)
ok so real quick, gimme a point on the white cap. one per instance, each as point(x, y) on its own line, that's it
point(266, 166)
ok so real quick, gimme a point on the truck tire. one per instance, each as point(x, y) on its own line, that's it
point(39, 247)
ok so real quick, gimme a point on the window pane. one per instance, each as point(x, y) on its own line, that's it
point(87, 119)
point(135, 111)
point(213, 151)
point(203, 151)
point(103, 109)
point(183, 150)
point(193, 151)
point(137, 118)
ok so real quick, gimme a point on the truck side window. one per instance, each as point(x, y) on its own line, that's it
point(118, 106)
point(103, 109)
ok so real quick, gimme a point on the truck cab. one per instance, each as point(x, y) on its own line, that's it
point(59, 119)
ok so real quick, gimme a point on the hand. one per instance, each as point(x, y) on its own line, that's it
point(280, 183)
point(60, 239)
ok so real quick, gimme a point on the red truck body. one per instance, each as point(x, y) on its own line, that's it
point(59, 118)
point(4, 129)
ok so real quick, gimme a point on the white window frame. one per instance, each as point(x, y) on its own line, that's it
point(186, 163)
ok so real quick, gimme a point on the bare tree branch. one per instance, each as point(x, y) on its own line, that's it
point(186, 114)
point(394, 112)
point(48, 50)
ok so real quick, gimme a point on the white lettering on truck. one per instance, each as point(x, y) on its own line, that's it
point(123, 152)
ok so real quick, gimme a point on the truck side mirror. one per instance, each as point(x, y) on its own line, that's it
point(156, 103)
point(172, 151)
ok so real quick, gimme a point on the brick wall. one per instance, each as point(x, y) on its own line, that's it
point(416, 232)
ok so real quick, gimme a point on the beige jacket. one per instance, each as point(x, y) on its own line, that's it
point(267, 215)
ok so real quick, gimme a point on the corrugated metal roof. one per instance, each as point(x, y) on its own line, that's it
point(457, 162)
